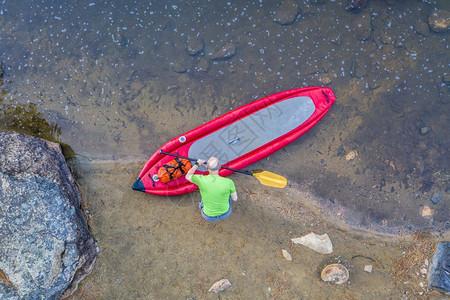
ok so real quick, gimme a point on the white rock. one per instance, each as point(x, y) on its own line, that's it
point(423, 271)
point(319, 243)
point(286, 255)
point(220, 286)
point(368, 268)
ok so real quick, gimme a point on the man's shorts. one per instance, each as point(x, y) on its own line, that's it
point(217, 218)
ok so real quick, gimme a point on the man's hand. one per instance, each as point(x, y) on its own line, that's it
point(191, 172)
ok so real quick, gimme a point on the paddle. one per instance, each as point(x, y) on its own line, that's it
point(264, 177)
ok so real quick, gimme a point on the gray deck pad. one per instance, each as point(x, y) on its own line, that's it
point(254, 131)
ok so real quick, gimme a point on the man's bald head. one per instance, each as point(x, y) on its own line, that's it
point(213, 164)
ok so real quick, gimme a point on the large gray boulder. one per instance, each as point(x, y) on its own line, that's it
point(46, 247)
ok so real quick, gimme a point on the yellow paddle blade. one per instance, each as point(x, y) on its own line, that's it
point(270, 179)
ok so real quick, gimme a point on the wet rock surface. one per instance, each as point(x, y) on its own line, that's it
point(46, 247)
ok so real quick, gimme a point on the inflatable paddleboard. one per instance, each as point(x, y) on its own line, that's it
point(241, 137)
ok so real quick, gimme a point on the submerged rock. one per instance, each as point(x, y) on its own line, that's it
point(194, 45)
point(439, 21)
point(203, 65)
point(362, 28)
point(287, 12)
point(225, 52)
point(422, 28)
point(319, 243)
point(336, 273)
point(220, 286)
point(359, 69)
point(46, 247)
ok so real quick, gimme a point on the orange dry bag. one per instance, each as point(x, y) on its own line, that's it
point(174, 169)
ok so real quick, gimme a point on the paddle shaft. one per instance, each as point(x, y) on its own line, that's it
point(193, 159)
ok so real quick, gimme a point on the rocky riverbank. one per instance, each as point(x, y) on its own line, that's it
point(46, 247)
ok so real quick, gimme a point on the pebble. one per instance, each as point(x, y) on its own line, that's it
point(423, 271)
point(351, 155)
point(368, 268)
point(427, 211)
point(446, 78)
point(336, 273)
point(286, 255)
point(325, 80)
point(220, 286)
point(424, 130)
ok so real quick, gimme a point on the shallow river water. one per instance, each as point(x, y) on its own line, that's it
point(118, 81)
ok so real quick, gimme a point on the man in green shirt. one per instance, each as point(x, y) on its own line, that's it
point(216, 191)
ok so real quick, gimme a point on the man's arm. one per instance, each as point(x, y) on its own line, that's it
point(193, 169)
point(233, 196)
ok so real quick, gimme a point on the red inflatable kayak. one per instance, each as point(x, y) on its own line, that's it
point(241, 137)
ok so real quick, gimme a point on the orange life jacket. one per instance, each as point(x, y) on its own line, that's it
point(174, 169)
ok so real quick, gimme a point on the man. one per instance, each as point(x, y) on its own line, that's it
point(216, 191)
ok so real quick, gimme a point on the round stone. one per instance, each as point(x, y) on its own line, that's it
point(337, 273)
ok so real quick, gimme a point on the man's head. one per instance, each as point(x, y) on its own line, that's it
point(213, 164)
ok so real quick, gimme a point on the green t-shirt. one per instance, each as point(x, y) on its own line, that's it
point(215, 191)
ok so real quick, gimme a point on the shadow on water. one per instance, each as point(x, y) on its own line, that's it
point(122, 78)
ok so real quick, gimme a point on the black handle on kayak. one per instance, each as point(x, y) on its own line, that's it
point(193, 159)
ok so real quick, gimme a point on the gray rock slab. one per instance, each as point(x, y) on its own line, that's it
point(46, 247)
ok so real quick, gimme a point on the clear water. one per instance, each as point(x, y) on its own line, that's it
point(116, 77)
